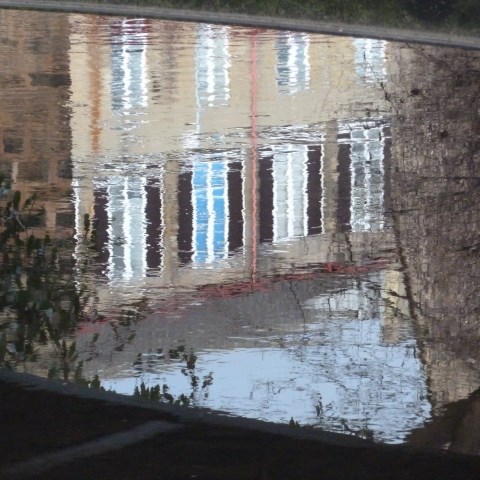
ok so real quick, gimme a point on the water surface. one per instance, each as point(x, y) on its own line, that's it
point(277, 225)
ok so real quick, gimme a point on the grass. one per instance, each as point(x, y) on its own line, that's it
point(459, 16)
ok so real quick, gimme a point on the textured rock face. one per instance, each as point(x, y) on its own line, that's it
point(435, 198)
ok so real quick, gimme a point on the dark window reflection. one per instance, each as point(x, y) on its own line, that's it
point(153, 213)
point(185, 217)
point(101, 225)
point(235, 202)
point(266, 199)
point(314, 189)
point(344, 186)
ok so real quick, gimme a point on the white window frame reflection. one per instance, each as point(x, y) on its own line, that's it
point(290, 196)
point(126, 228)
point(370, 59)
point(293, 62)
point(212, 70)
point(129, 87)
point(367, 174)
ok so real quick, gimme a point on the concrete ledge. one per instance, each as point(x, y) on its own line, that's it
point(303, 25)
point(39, 465)
point(180, 414)
point(56, 431)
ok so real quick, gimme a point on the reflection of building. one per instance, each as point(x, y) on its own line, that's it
point(193, 167)
point(370, 64)
point(219, 199)
point(364, 153)
point(241, 167)
point(35, 136)
point(293, 62)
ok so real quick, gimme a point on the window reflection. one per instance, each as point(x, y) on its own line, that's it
point(293, 62)
point(290, 201)
point(301, 189)
point(127, 246)
point(366, 143)
point(129, 65)
point(154, 224)
point(290, 198)
point(370, 60)
point(212, 66)
point(128, 227)
point(210, 210)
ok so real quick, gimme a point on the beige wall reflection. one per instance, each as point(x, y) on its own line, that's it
point(35, 135)
point(166, 97)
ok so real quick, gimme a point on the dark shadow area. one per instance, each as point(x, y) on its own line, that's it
point(204, 448)
point(454, 428)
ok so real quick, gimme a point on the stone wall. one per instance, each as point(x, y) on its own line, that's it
point(435, 197)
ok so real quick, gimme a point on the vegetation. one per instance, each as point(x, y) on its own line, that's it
point(41, 306)
point(446, 15)
point(197, 389)
point(38, 304)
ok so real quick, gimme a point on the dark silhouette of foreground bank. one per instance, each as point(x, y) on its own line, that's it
point(51, 431)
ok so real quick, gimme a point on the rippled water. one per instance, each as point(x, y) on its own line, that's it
point(249, 217)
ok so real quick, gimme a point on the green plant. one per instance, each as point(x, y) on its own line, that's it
point(162, 394)
point(39, 303)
